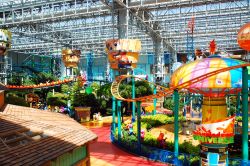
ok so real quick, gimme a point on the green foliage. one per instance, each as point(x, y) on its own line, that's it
point(16, 93)
point(76, 71)
point(144, 126)
point(95, 86)
point(169, 145)
point(142, 88)
point(15, 80)
point(103, 104)
point(75, 94)
point(234, 163)
point(233, 105)
point(188, 147)
point(15, 99)
point(65, 89)
point(82, 99)
point(233, 101)
point(150, 140)
point(238, 118)
point(169, 104)
point(195, 160)
point(58, 99)
point(28, 81)
point(181, 157)
point(232, 110)
point(158, 120)
point(105, 97)
point(43, 78)
point(126, 90)
point(105, 91)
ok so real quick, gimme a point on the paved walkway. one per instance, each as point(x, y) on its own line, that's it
point(104, 153)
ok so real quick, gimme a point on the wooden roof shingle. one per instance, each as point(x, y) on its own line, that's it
point(33, 137)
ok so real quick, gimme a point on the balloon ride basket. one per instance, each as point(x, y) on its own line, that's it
point(214, 150)
point(214, 154)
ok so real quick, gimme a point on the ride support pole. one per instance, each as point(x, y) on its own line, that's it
point(139, 125)
point(155, 101)
point(245, 78)
point(176, 123)
point(133, 96)
point(113, 114)
point(119, 120)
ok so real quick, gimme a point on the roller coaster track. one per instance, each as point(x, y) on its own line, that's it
point(163, 91)
point(41, 85)
point(46, 85)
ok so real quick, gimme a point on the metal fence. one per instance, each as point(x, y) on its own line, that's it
point(162, 155)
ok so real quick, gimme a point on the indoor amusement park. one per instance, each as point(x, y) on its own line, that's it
point(124, 82)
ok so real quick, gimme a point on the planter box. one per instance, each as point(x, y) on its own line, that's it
point(83, 113)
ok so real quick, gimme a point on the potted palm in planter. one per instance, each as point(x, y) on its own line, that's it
point(83, 103)
point(81, 106)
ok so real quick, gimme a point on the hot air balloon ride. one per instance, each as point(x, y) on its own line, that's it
point(71, 57)
point(217, 129)
point(123, 53)
point(5, 41)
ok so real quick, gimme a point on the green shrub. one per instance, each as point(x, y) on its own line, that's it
point(188, 147)
point(195, 160)
point(181, 157)
point(238, 118)
point(65, 89)
point(150, 140)
point(58, 99)
point(144, 126)
point(13, 99)
point(142, 89)
point(169, 104)
point(158, 120)
point(234, 163)
point(169, 146)
point(232, 110)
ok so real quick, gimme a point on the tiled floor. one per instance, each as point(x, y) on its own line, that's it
point(104, 153)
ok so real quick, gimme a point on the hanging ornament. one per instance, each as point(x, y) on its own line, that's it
point(244, 37)
point(212, 47)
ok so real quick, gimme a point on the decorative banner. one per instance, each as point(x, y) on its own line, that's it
point(5, 41)
point(89, 90)
point(123, 53)
point(218, 132)
point(214, 140)
point(70, 57)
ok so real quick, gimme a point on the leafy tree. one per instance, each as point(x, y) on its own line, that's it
point(16, 99)
point(15, 80)
point(65, 89)
point(58, 99)
point(169, 104)
point(95, 86)
point(105, 92)
point(28, 81)
point(142, 88)
point(43, 78)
